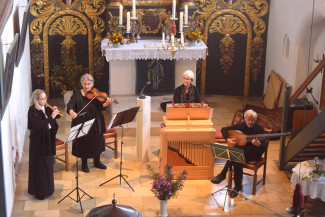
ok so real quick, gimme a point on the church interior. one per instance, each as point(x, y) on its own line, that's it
point(244, 54)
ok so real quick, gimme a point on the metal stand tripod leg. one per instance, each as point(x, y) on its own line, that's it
point(78, 200)
point(228, 187)
point(120, 175)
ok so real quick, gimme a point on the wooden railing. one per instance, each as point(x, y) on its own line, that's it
point(319, 68)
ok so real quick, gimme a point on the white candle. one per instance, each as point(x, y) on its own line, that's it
point(174, 9)
point(172, 39)
point(182, 39)
point(128, 22)
point(134, 15)
point(121, 15)
point(317, 57)
point(181, 22)
point(163, 39)
point(186, 15)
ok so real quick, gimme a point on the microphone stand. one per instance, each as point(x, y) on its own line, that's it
point(142, 96)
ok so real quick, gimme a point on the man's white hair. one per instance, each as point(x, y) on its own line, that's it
point(250, 114)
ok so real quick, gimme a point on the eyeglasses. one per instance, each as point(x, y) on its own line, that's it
point(85, 84)
point(42, 98)
point(187, 79)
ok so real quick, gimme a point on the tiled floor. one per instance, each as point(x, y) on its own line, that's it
point(194, 200)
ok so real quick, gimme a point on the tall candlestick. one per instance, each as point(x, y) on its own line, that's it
point(128, 22)
point(121, 15)
point(174, 9)
point(163, 39)
point(172, 39)
point(181, 21)
point(134, 15)
point(186, 15)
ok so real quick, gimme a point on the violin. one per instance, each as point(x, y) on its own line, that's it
point(100, 96)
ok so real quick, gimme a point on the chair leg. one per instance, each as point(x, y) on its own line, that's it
point(264, 173)
point(66, 157)
point(115, 146)
point(254, 183)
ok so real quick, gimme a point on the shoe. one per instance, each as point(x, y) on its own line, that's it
point(235, 192)
point(40, 197)
point(218, 179)
point(85, 168)
point(100, 165)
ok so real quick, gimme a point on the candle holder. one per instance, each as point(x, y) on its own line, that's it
point(121, 28)
point(173, 47)
point(134, 29)
point(173, 19)
point(319, 60)
point(128, 38)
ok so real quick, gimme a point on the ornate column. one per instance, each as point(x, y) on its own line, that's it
point(114, 3)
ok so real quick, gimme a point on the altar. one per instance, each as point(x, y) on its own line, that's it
point(122, 62)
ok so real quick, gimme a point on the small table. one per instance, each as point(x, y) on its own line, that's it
point(315, 189)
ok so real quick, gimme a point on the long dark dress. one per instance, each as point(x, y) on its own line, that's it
point(91, 145)
point(41, 152)
point(193, 95)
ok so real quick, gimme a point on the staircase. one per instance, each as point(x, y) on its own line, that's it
point(308, 143)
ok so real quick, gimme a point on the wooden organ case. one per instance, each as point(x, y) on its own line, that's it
point(182, 142)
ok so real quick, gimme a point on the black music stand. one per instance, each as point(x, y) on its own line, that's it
point(119, 119)
point(75, 133)
point(231, 154)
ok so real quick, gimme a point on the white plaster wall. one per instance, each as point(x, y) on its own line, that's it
point(299, 20)
point(14, 121)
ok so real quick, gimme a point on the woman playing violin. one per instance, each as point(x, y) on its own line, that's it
point(91, 145)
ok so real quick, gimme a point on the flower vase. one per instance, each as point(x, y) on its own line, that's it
point(163, 208)
point(116, 44)
point(317, 177)
point(191, 43)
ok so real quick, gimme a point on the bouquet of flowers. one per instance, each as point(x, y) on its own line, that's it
point(115, 38)
point(165, 186)
point(193, 36)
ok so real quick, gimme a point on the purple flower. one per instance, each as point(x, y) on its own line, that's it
point(164, 185)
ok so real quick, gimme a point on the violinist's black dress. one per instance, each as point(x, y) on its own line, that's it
point(91, 145)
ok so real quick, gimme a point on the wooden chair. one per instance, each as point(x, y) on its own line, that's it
point(110, 137)
point(61, 146)
point(255, 165)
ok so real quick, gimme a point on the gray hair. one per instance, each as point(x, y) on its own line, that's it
point(34, 99)
point(250, 114)
point(189, 73)
point(88, 77)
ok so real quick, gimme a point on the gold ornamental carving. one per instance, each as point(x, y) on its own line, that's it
point(48, 25)
point(160, 13)
point(149, 2)
point(249, 15)
point(227, 25)
point(55, 17)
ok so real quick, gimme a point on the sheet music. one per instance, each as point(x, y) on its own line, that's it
point(112, 121)
point(84, 131)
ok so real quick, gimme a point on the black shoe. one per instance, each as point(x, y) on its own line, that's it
point(40, 197)
point(235, 192)
point(218, 179)
point(85, 168)
point(100, 165)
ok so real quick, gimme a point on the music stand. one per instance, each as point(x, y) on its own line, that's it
point(119, 119)
point(231, 154)
point(75, 133)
